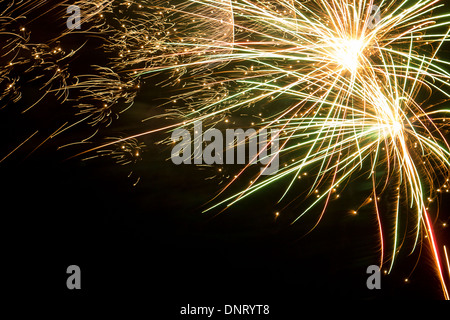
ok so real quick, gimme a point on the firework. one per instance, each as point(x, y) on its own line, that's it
point(347, 84)
point(355, 93)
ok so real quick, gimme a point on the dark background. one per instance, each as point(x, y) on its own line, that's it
point(153, 241)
